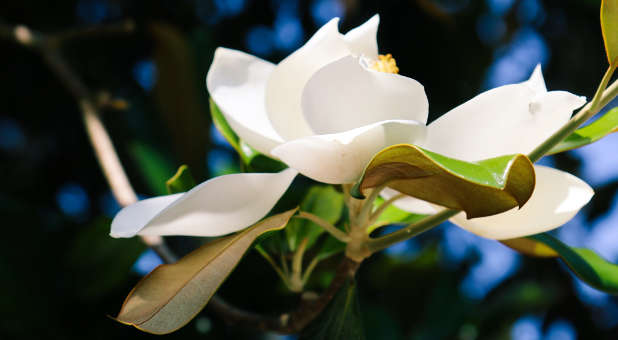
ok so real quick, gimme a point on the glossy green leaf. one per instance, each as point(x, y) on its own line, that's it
point(480, 189)
point(609, 27)
point(323, 201)
point(585, 263)
point(341, 319)
point(224, 128)
point(393, 215)
point(154, 167)
point(608, 123)
point(172, 294)
point(182, 181)
point(253, 160)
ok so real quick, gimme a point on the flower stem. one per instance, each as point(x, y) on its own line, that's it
point(337, 233)
point(411, 230)
point(273, 264)
point(601, 98)
point(376, 214)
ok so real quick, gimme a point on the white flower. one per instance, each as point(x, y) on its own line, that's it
point(325, 111)
point(507, 120)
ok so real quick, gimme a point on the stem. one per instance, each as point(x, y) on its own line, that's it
point(376, 214)
point(601, 98)
point(411, 230)
point(273, 264)
point(296, 282)
point(336, 232)
point(314, 262)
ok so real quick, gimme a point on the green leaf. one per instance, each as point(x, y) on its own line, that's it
point(253, 160)
point(182, 181)
point(323, 201)
point(479, 188)
point(589, 134)
point(224, 128)
point(172, 294)
point(392, 215)
point(341, 319)
point(585, 263)
point(609, 27)
point(155, 168)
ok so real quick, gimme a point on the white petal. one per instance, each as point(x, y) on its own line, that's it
point(536, 81)
point(409, 204)
point(505, 120)
point(286, 83)
point(341, 157)
point(237, 83)
point(557, 197)
point(345, 95)
point(219, 206)
point(362, 40)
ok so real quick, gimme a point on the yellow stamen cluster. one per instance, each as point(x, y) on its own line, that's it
point(386, 64)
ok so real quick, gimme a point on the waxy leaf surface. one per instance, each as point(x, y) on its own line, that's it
point(608, 123)
point(585, 263)
point(480, 188)
point(172, 294)
point(609, 27)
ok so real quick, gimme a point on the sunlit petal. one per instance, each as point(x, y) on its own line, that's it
point(219, 206)
point(345, 95)
point(286, 83)
point(506, 120)
point(557, 197)
point(341, 157)
point(237, 81)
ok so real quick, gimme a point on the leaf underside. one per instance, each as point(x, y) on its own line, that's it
point(172, 294)
point(608, 123)
point(585, 263)
point(480, 188)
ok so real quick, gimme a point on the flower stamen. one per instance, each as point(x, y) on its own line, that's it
point(386, 64)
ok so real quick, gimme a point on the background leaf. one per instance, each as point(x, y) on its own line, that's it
point(172, 294)
point(608, 123)
point(177, 96)
point(609, 27)
point(480, 189)
point(154, 167)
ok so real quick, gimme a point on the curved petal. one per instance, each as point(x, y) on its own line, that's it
point(505, 120)
point(557, 197)
point(286, 83)
point(536, 81)
point(341, 157)
point(237, 82)
point(362, 40)
point(219, 206)
point(409, 204)
point(345, 95)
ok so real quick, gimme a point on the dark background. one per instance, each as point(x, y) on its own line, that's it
point(61, 275)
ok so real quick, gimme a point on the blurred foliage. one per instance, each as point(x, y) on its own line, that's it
point(62, 274)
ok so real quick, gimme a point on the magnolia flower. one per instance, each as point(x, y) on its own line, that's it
point(329, 107)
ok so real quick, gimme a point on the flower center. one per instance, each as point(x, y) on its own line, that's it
point(386, 64)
